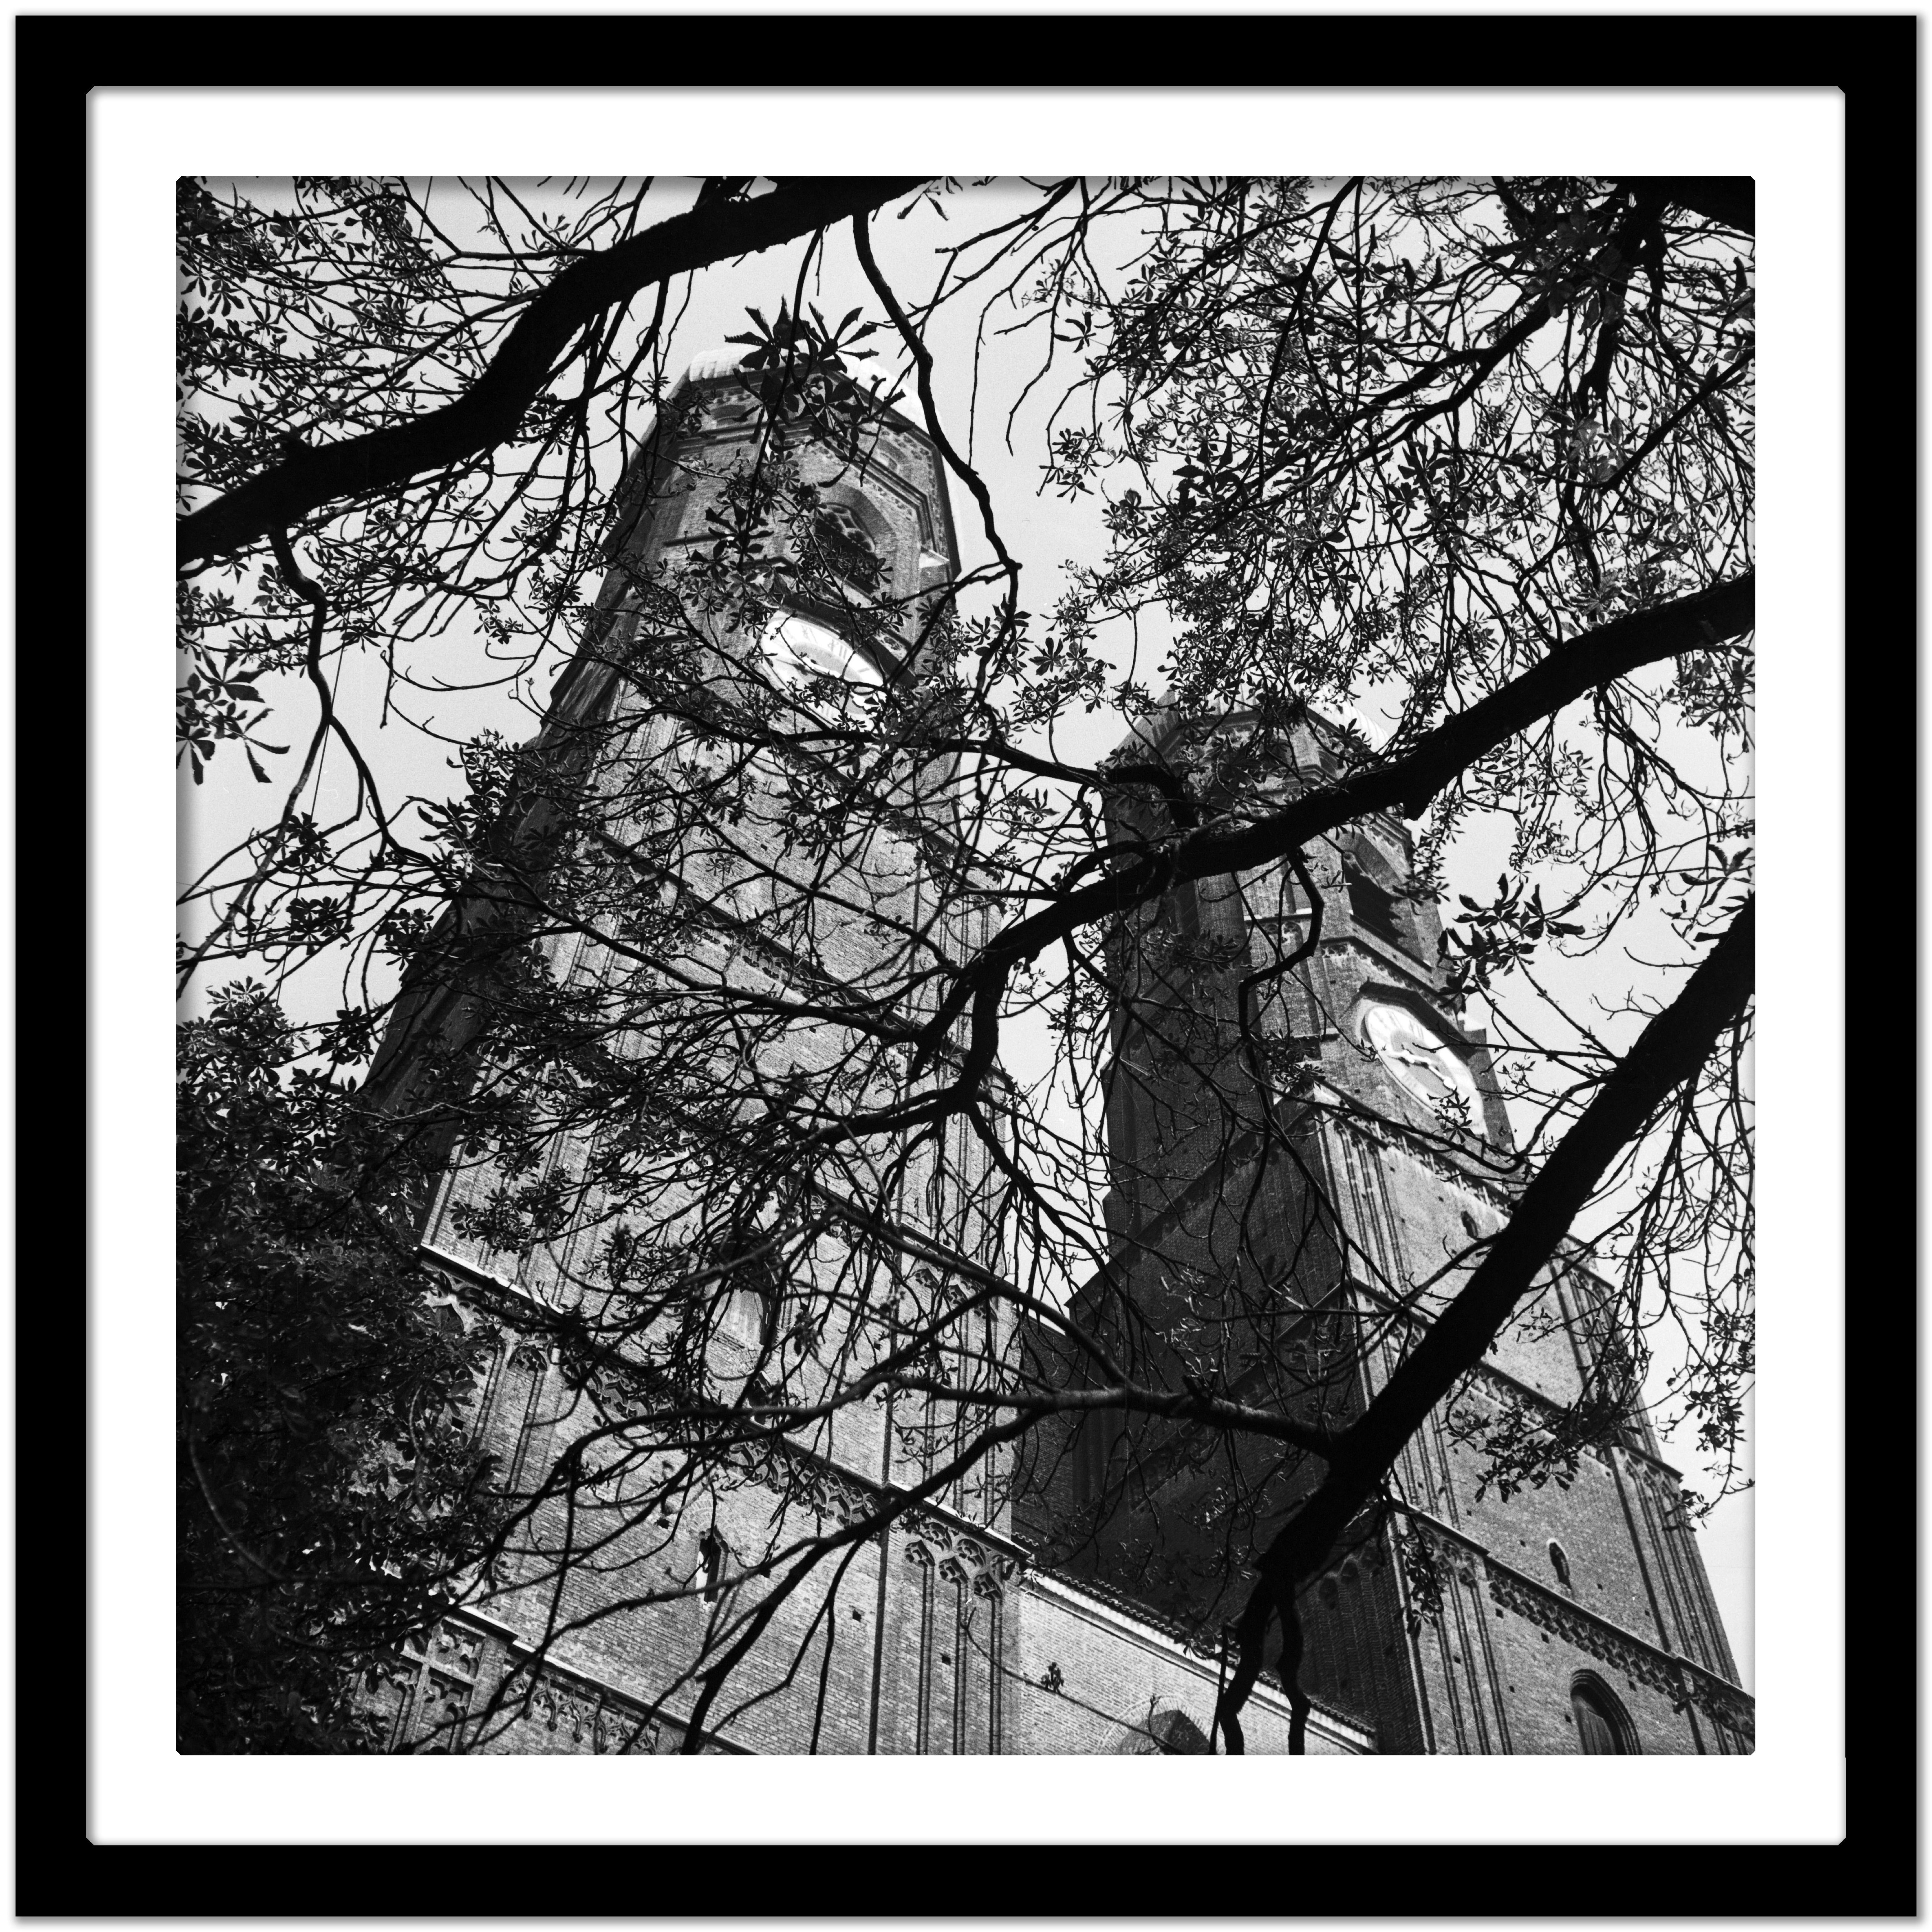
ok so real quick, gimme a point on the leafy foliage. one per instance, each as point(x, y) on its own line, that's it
point(330, 1496)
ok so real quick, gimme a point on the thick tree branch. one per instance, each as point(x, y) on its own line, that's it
point(921, 358)
point(1192, 1405)
point(489, 412)
point(1405, 784)
point(1667, 1054)
point(1730, 200)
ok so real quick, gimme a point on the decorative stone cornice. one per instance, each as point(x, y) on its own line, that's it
point(1195, 1643)
point(1377, 1130)
point(1379, 954)
point(1134, 1242)
point(1563, 1617)
point(588, 1714)
point(976, 1565)
point(833, 1492)
point(1677, 1677)
point(576, 1705)
point(1499, 1385)
point(490, 1293)
point(963, 1552)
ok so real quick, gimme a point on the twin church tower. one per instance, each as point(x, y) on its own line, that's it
point(1069, 1597)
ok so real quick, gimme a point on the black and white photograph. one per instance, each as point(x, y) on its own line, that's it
point(968, 967)
point(965, 958)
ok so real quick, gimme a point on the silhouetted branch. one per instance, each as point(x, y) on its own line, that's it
point(311, 478)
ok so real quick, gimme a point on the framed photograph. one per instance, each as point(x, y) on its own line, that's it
point(967, 963)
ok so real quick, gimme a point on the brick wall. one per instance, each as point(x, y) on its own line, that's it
point(1093, 1679)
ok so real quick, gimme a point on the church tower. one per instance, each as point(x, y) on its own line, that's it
point(1309, 1149)
point(622, 1584)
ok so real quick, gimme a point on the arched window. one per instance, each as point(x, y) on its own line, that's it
point(716, 1555)
point(1373, 906)
point(1167, 1732)
point(1178, 1735)
point(1093, 1442)
point(1559, 1561)
point(521, 1396)
point(1378, 898)
point(847, 547)
point(1603, 1728)
point(752, 1292)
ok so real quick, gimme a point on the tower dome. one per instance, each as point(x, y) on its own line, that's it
point(714, 362)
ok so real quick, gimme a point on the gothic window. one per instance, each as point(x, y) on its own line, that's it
point(1178, 1735)
point(753, 1295)
point(1559, 1561)
point(1372, 906)
point(751, 1316)
point(847, 547)
point(1167, 1732)
point(1087, 1474)
point(1603, 1728)
point(1092, 1448)
point(522, 1393)
point(715, 1556)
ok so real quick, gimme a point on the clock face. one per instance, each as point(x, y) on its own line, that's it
point(1419, 1058)
point(799, 646)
